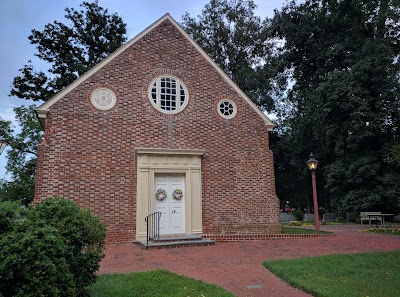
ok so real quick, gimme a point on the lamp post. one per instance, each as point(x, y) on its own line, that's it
point(3, 145)
point(312, 164)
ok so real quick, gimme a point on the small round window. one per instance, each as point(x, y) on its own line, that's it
point(103, 98)
point(226, 108)
point(168, 94)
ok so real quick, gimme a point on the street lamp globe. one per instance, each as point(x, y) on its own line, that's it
point(312, 163)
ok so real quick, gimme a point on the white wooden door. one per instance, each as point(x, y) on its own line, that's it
point(172, 210)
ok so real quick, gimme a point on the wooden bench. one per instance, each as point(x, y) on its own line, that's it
point(370, 216)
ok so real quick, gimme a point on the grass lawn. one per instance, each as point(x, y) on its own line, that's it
point(367, 274)
point(158, 283)
point(292, 230)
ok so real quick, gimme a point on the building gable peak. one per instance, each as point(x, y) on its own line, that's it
point(45, 107)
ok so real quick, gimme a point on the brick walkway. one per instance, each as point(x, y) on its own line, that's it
point(237, 267)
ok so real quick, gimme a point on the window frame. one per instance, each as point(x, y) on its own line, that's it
point(231, 116)
point(103, 108)
point(179, 106)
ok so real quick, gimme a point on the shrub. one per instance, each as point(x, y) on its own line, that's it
point(54, 251)
point(33, 263)
point(322, 211)
point(298, 214)
point(10, 212)
point(295, 223)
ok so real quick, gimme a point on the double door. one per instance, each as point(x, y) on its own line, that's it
point(172, 209)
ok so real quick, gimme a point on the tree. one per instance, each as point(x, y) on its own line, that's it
point(10, 211)
point(234, 37)
point(52, 249)
point(21, 161)
point(396, 153)
point(343, 57)
point(70, 50)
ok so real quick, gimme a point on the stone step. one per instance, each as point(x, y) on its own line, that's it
point(177, 244)
point(172, 238)
point(169, 242)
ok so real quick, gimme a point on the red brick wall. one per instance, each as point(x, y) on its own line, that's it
point(88, 155)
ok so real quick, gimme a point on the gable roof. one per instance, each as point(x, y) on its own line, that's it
point(43, 109)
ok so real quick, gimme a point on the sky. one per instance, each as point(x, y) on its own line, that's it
point(19, 17)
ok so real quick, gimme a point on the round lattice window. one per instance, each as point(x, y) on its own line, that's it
point(226, 108)
point(103, 98)
point(168, 94)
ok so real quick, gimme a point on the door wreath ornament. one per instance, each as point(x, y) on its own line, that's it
point(161, 194)
point(177, 194)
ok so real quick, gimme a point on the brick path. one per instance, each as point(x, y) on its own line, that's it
point(237, 267)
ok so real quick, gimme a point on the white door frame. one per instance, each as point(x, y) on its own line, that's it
point(164, 161)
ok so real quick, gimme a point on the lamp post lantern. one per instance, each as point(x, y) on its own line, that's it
point(312, 164)
point(3, 145)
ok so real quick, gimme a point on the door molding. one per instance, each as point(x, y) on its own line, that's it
point(151, 161)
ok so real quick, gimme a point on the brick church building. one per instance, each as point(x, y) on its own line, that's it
point(158, 126)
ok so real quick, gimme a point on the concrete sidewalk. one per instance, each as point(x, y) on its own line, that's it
point(237, 266)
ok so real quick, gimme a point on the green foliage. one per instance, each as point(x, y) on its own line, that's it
point(298, 214)
point(367, 274)
point(290, 230)
point(53, 249)
point(70, 49)
point(152, 283)
point(291, 173)
point(294, 223)
point(34, 265)
point(21, 163)
point(10, 211)
point(340, 60)
point(17, 190)
point(322, 211)
point(234, 37)
point(396, 153)
point(88, 36)
point(383, 230)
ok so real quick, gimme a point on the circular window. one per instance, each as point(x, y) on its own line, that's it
point(168, 94)
point(103, 98)
point(226, 108)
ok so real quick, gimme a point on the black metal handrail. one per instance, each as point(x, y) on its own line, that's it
point(153, 226)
